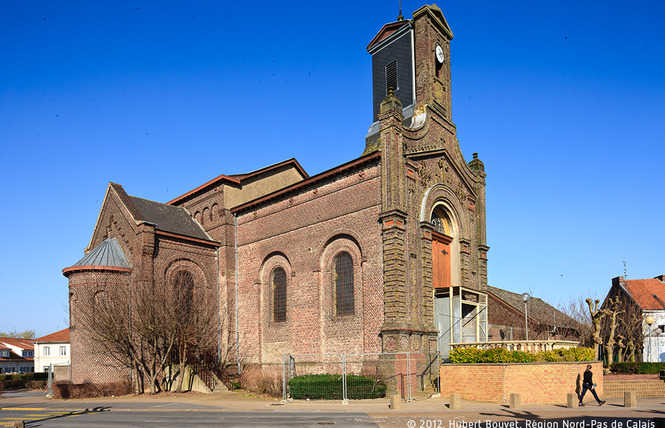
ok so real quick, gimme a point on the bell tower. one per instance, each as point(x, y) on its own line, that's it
point(392, 66)
point(433, 202)
point(432, 36)
point(411, 58)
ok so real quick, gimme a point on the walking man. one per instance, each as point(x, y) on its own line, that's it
point(587, 383)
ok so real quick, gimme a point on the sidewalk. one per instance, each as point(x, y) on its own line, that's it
point(430, 408)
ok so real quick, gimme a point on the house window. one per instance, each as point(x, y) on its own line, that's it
point(343, 277)
point(4, 353)
point(63, 351)
point(278, 281)
point(28, 354)
point(47, 351)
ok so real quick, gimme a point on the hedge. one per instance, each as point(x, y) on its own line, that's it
point(502, 355)
point(23, 380)
point(63, 390)
point(25, 376)
point(329, 387)
point(637, 368)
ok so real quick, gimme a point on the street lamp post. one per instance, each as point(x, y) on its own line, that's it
point(649, 320)
point(526, 298)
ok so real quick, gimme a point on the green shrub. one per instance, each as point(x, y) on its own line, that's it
point(329, 387)
point(523, 357)
point(496, 355)
point(637, 368)
point(14, 380)
point(24, 376)
point(465, 355)
point(501, 355)
point(40, 376)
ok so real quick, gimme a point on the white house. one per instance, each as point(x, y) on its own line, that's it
point(52, 349)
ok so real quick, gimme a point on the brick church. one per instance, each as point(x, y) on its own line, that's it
point(384, 253)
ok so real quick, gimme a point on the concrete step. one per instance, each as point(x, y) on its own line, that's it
point(645, 388)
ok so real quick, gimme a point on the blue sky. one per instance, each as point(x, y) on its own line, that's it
point(564, 102)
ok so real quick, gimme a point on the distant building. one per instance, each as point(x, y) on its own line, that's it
point(16, 355)
point(53, 349)
point(641, 298)
point(507, 318)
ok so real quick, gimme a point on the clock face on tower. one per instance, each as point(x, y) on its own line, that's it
point(439, 54)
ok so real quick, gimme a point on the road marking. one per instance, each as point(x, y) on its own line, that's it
point(29, 409)
point(54, 414)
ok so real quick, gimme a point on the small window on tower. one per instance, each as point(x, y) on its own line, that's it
point(391, 77)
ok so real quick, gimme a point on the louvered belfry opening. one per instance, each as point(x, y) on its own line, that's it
point(391, 77)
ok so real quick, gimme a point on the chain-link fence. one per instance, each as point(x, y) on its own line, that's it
point(340, 376)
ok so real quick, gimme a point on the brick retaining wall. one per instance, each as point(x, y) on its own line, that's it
point(645, 386)
point(537, 383)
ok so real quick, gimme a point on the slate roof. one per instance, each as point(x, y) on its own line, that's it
point(58, 336)
point(649, 294)
point(539, 310)
point(168, 218)
point(108, 253)
point(386, 31)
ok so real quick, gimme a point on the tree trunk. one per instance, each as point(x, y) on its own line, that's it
point(181, 374)
point(612, 311)
point(596, 317)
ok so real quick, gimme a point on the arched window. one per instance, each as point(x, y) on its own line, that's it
point(441, 222)
point(183, 284)
point(278, 280)
point(343, 277)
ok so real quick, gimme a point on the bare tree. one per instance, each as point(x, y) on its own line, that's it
point(194, 321)
point(577, 311)
point(126, 325)
point(611, 311)
point(620, 346)
point(152, 332)
point(597, 316)
point(626, 323)
point(174, 322)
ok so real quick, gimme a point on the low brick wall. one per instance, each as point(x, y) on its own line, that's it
point(537, 383)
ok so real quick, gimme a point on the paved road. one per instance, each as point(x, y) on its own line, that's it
point(161, 418)
point(105, 417)
point(244, 410)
